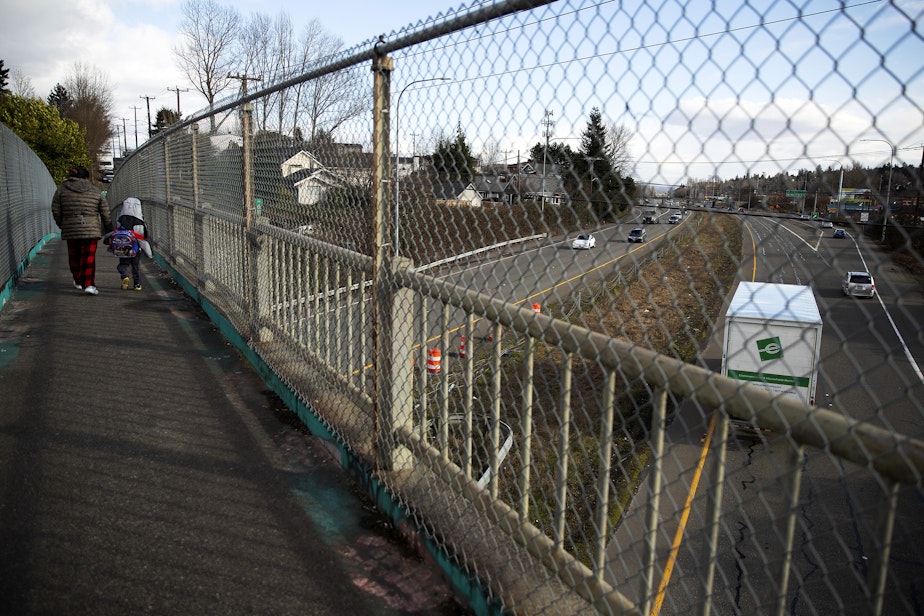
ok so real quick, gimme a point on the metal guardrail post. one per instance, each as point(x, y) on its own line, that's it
point(200, 232)
point(564, 452)
point(653, 514)
point(526, 425)
point(397, 388)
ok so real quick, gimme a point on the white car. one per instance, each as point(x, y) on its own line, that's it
point(674, 219)
point(858, 284)
point(827, 224)
point(584, 241)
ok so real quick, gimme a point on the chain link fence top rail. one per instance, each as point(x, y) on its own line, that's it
point(26, 189)
point(392, 229)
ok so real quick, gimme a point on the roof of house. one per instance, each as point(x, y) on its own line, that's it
point(451, 190)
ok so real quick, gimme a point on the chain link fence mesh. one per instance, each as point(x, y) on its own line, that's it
point(26, 189)
point(398, 245)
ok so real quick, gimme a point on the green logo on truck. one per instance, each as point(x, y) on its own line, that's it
point(770, 348)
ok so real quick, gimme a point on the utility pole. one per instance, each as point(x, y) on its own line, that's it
point(244, 79)
point(917, 196)
point(125, 137)
point(177, 90)
point(148, 99)
point(547, 122)
point(136, 125)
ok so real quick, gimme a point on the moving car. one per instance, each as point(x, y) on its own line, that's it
point(858, 284)
point(827, 224)
point(584, 241)
point(840, 233)
point(674, 219)
point(637, 235)
point(108, 176)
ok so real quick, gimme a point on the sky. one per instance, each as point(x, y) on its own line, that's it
point(788, 87)
point(131, 41)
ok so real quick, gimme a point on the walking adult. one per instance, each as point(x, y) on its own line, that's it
point(81, 212)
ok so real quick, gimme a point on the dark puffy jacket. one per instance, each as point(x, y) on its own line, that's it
point(80, 210)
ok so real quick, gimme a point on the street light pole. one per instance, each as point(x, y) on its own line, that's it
point(885, 213)
point(397, 152)
point(840, 184)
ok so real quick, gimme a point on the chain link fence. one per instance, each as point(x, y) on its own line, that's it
point(26, 189)
point(391, 231)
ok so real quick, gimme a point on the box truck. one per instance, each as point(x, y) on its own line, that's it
point(773, 338)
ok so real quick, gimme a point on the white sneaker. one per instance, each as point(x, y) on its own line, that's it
point(91, 290)
point(77, 286)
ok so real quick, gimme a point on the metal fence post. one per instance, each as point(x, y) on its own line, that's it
point(382, 66)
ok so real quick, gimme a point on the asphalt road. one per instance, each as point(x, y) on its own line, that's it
point(870, 370)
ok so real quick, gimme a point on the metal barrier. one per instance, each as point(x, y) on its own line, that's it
point(26, 189)
point(639, 479)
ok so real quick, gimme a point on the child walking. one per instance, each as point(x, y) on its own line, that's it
point(130, 217)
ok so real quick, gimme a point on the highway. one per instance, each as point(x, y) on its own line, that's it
point(870, 370)
point(871, 361)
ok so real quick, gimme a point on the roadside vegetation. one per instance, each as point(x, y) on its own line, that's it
point(668, 304)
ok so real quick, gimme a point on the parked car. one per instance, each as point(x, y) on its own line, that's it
point(584, 241)
point(674, 219)
point(827, 224)
point(637, 235)
point(858, 284)
point(840, 233)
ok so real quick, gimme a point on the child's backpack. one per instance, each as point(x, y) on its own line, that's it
point(122, 243)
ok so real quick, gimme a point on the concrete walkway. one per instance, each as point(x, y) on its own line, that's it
point(145, 468)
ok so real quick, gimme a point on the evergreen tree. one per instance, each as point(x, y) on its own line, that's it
point(4, 77)
point(164, 119)
point(595, 175)
point(453, 159)
point(60, 100)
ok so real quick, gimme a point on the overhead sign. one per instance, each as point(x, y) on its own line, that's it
point(795, 193)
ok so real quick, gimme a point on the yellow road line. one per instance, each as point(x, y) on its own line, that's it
point(678, 536)
point(684, 516)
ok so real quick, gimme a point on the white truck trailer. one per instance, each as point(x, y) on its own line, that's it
point(773, 338)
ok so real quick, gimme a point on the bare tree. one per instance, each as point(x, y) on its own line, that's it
point(208, 54)
point(268, 46)
point(21, 84)
point(618, 137)
point(90, 104)
point(490, 153)
point(330, 101)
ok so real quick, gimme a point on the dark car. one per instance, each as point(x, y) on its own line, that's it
point(637, 235)
point(840, 233)
point(108, 176)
